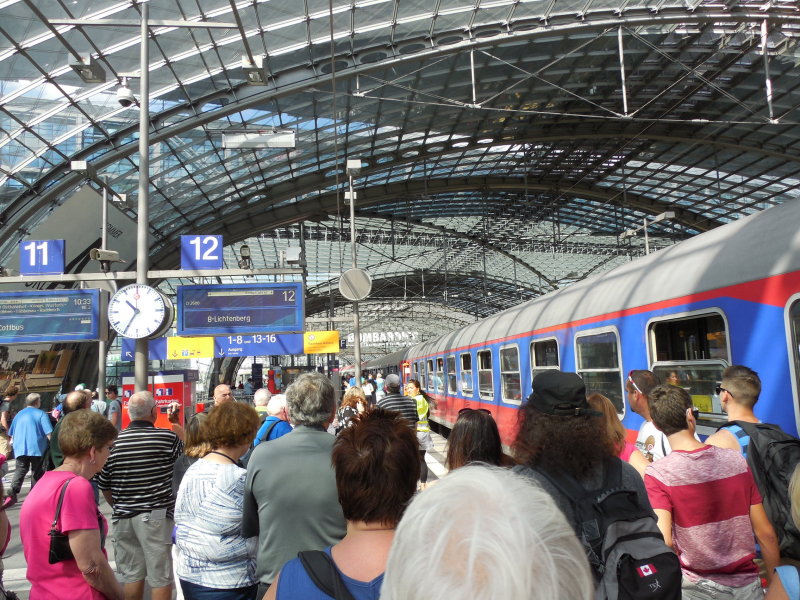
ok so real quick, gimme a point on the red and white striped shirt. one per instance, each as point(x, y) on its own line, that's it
point(709, 492)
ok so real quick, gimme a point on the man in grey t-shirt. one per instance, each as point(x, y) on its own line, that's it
point(290, 498)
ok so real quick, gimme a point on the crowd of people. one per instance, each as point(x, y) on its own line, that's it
point(298, 498)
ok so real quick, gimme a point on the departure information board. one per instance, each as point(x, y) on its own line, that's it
point(256, 308)
point(52, 316)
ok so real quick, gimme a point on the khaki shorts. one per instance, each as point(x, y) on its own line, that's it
point(142, 549)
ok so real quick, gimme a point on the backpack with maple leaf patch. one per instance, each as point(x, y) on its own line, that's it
point(625, 548)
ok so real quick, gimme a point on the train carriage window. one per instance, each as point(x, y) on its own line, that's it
point(510, 384)
point(451, 375)
point(439, 379)
point(485, 382)
point(466, 373)
point(544, 356)
point(702, 337)
point(431, 376)
point(794, 331)
point(421, 370)
point(598, 364)
point(692, 352)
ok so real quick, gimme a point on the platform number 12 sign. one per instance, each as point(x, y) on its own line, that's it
point(41, 257)
point(201, 252)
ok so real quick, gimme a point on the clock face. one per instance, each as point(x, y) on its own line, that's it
point(139, 311)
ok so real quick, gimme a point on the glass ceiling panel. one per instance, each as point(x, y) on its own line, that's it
point(535, 142)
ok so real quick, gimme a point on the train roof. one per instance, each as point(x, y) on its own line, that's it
point(761, 245)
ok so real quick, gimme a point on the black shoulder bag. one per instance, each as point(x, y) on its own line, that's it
point(324, 574)
point(59, 542)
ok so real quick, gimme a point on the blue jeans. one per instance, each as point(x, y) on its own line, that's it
point(192, 591)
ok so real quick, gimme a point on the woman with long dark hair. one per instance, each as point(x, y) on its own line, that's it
point(474, 438)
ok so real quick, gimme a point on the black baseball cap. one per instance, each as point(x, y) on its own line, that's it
point(560, 394)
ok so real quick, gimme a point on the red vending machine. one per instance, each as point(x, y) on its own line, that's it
point(167, 387)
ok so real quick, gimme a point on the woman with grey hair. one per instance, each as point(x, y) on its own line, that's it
point(488, 534)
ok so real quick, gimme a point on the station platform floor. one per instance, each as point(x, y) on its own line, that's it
point(14, 560)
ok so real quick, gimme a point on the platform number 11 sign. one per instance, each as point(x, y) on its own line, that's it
point(201, 252)
point(41, 257)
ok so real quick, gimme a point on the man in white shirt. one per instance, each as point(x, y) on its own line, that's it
point(650, 441)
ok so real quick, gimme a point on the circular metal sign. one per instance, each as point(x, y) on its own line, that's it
point(355, 284)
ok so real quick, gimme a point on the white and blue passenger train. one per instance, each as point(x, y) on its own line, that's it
point(728, 296)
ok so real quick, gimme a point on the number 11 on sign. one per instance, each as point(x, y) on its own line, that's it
point(41, 257)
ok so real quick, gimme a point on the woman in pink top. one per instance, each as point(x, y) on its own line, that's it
point(625, 449)
point(85, 438)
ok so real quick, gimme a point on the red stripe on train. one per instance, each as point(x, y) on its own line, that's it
point(774, 291)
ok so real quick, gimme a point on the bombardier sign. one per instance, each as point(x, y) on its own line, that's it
point(383, 338)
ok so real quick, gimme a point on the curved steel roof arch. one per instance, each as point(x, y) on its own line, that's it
point(700, 15)
point(434, 144)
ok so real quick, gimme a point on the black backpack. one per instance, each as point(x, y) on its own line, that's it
point(625, 548)
point(772, 456)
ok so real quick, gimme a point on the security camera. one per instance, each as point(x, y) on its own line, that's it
point(105, 255)
point(125, 96)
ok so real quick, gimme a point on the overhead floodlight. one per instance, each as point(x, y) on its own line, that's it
point(84, 168)
point(663, 216)
point(353, 167)
point(254, 71)
point(88, 69)
point(269, 138)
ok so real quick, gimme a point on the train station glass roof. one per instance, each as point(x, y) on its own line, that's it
point(505, 145)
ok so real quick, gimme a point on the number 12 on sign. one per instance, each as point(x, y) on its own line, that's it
point(201, 252)
point(41, 257)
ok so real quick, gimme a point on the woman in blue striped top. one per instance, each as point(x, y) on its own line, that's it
point(215, 561)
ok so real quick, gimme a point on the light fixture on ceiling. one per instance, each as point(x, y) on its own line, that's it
point(254, 70)
point(88, 69)
point(643, 227)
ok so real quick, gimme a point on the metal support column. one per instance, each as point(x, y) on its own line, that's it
point(141, 362)
point(356, 324)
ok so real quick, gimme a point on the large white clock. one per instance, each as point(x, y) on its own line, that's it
point(140, 311)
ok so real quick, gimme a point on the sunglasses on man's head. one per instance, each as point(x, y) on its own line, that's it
point(633, 383)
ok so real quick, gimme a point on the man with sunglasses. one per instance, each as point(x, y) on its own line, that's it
point(708, 507)
point(738, 394)
point(650, 441)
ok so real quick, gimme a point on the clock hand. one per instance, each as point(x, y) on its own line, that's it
point(128, 302)
point(133, 316)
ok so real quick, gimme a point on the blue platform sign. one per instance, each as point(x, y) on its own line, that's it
point(52, 316)
point(156, 349)
point(258, 344)
point(256, 308)
point(41, 257)
point(201, 252)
